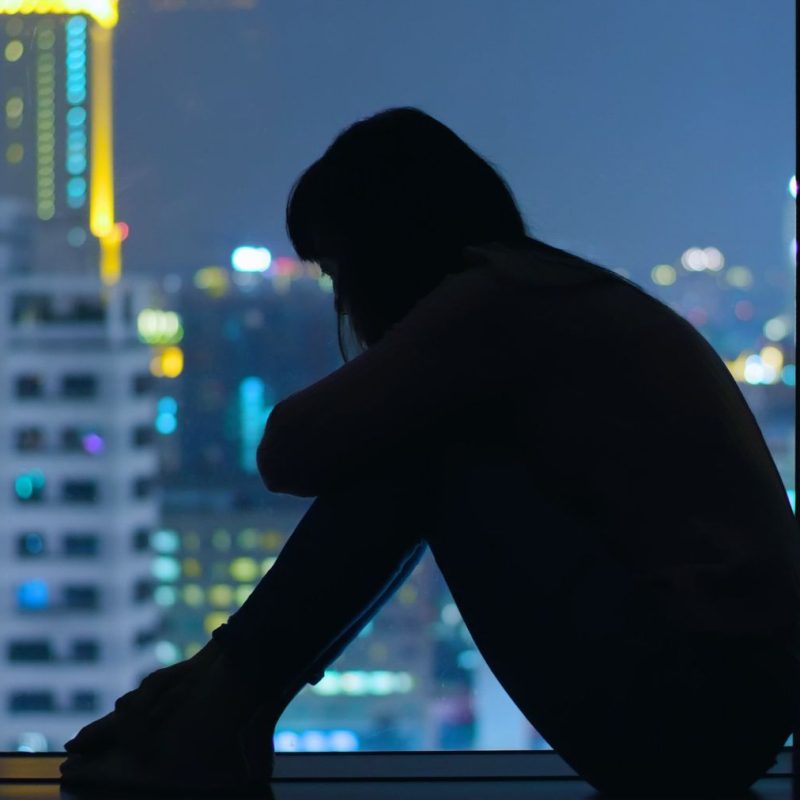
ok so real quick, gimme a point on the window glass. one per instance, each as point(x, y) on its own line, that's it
point(153, 312)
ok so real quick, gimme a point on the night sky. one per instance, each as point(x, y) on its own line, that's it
point(629, 130)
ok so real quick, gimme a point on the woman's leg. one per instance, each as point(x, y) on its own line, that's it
point(632, 707)
point(346, 558)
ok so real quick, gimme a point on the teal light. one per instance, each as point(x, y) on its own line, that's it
point(166, 424)
point(76, 117)
point(167, 405)
point(164, 541)
point(76, 164)
point(76, 140)
point(166, 569)
point(76, 155)
point(792, 498)
point(27, 484)
point(256, 401)
point(76, 187)
point(789, 374)
point(165, 596)
point(76, 60)
point(76, 24)
point(23, 486)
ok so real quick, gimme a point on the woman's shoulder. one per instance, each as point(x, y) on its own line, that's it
point(536, 265)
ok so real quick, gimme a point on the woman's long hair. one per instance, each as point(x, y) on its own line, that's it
point(392, 203)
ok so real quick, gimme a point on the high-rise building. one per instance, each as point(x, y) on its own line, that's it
point(77, 478)
point(57, 142)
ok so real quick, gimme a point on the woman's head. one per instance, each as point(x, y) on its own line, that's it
point(387, 210)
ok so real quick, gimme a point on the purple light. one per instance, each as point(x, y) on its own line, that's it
point(92, 443)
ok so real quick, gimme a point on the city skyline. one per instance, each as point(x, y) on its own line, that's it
point(665, 150)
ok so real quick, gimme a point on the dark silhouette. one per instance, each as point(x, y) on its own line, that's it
point(584, 468)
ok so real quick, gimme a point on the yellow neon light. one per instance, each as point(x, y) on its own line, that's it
point(110, 259)
point(103, 12)
point(101, 192)
point(101, 209)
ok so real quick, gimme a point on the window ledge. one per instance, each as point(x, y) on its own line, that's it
point(377, 766)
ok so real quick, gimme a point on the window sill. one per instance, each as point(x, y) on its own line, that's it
point(378, 766)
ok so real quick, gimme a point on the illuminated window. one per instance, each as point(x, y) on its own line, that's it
point(220, 595)
point(33, 595)
point(15, 153)
point(14, 50)
point(29, 487)
point(192, 568)
point(244, 569)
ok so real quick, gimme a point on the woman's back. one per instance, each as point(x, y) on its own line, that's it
point(628, 417)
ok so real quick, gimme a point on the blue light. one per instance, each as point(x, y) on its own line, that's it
point(166, 423)
point(33, 544)
point(789, 374)
point(33, 595)
point(167, 405)
point(343, 740)
point(76, 95)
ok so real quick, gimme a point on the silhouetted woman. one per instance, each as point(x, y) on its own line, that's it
point(587, 474)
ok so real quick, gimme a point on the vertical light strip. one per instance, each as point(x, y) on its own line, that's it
point(76, 140)
point(101, 199)
point(45, 123)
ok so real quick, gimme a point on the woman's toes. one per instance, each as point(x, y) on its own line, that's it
point(95, 736)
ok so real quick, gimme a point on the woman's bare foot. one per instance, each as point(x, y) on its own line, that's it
point(131, 711)
point(208, 730)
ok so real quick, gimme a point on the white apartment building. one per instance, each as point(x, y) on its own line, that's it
point(78, 500)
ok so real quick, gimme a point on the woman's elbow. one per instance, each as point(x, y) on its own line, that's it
point(267, 469)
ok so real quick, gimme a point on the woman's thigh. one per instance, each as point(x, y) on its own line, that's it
point(556, 619)
point(536, 587)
